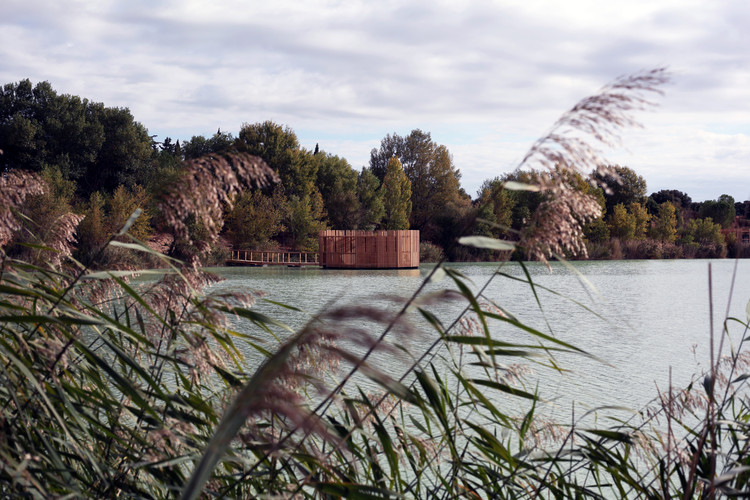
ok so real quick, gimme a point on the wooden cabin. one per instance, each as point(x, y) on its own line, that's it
point(369, 249)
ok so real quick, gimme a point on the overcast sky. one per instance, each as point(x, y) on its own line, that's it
point(485, 78)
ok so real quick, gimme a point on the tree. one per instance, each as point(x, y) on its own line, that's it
point(279, 147)
point(665, 223)
point(678, 199)
point(597, 231)
point(624, 185)
point(642, 218)
point(255, 219)
point(122, 204)
point(371, 208)
point(106, 215)
point(337, 183)
point(524, 203)
point(704, 232)
point(742, 208)
point(429, 167)
point(96, 146)
point(621, 223)
point(92, 231)
point(721, 211)
point(396, 196)
point(167, 168)
point(125, 156)
point(305, 221)
point(495, 217)
point(298, 170)
point(199, 146)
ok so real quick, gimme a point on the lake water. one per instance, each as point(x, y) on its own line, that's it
point(637, 318)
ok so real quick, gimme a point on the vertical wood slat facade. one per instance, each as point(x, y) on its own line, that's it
point(369, 249)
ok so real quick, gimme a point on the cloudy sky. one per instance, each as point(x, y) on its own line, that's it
point(485, 78)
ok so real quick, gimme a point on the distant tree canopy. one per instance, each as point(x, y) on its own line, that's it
point(665, 223)
point(337, 182)
point(98, 147)
point(677, 198)
point(721, 211)
point(496, 204)
point(429, 167)
point(101, 163)
point(371, 208)
point(199, 146)
point(279, 147)
point(396, 196)
point(625, 187)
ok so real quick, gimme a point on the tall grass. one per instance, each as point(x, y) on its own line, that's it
point(113, 384)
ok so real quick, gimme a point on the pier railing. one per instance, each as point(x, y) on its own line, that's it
point(273, 258)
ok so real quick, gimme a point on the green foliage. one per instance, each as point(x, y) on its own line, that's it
point(305, 220)
point(199, 146)
point(621, 223)
point(704, 232)
point(429, 253)
point(256, 219)
point(642, 218)
point(624, 185)
point(396, 196)
point(97, 147)
point(106, 215)
point(525, 202)
point(106, 400)
point(627, 224)
point(429, 167)
point(680, 200)
point(665, 223)
point(92, 231)
point(597, 231)
point(122, 204)
point(720, 211)
point(42, 214)
point(279, 147)
point(496, 209)
point(370, 196)
point(337, 183)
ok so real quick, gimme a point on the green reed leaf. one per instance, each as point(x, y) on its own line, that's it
point(486, 242)
point(505, 388)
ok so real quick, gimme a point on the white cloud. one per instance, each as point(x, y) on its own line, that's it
point(485, 77)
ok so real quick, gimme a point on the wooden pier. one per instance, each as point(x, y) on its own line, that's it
point(343, 250)
point(272, 258)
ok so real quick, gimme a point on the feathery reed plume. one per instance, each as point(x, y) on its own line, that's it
point(599, 117)
point(209, 183)
point(570, 146)
point(63, 237)
point(15, 186)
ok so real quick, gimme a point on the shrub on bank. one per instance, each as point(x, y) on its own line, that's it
point(429, 252)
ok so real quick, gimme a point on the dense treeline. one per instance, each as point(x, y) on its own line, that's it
point(102, 164)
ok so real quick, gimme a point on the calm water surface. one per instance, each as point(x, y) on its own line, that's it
point(637, 318)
